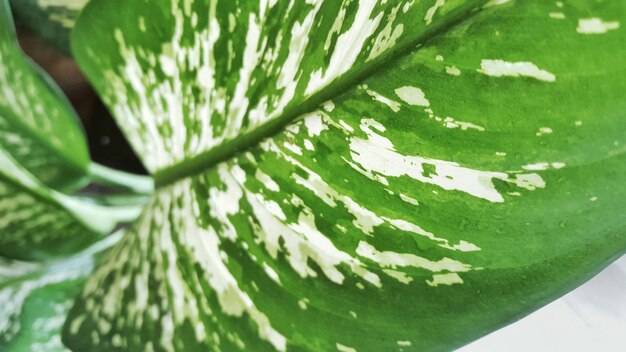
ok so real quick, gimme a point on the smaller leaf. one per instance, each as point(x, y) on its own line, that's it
point(40, 296)
point(38, 126)
point(38, 222)
point(51, 20)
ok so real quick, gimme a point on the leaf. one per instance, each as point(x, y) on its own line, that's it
point(40, 296)
point(38, 223)
point(51, 19)
point(467, 175)
point(39, 133)
point(38, 126)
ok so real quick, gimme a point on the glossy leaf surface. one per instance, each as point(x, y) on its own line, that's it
point(455, 170)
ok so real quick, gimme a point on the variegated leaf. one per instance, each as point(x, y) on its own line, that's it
point(38, 126)
point(37, 297)
point(37, 222)
point(51, 19)
point(329, 181)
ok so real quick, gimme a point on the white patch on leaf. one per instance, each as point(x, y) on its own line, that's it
point(595, 25)
point(501, 68)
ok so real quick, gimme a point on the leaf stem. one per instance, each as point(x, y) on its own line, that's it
point(111, 177)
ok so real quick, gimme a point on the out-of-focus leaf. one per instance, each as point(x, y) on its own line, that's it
point(37, 222)
point(52, 20)
point(37, 297)
point(38, 126)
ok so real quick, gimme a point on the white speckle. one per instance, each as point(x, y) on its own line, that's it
point(495, 2)
point(593, 199)
point(346, 126)
point(430, 13)
point(412, 96)
point(500, 68)
point(578, 123)
point(398, 275)
point(557, 15)
point(453, 70)
point(267, 181)
point(314, 124)
point(404, 343)
point(439, 58)
point(536, 167)
point(393, 105)
point(543, 130)
point(500, 154)
point(445, 279)
point(303, 303)
point(449, 122)
point(292, 147)
point(271, 273)
point(595, 26)
point(344, 348)
point(409, 199)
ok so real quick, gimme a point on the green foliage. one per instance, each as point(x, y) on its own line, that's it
point(53, 20)
point(45, 223)
point(354, 175)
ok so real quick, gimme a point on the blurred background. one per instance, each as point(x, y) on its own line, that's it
point(106, 143)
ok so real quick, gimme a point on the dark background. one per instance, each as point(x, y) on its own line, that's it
point(106, 143)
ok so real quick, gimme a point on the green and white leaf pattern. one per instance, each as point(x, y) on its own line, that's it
point(38, 222)
point(51, 19)
point(37, 298)
point(468, 173)
point(201, 78)
point(38, 127)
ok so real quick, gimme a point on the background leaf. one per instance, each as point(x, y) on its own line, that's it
point(40, 296)
point(51, 19)
point(38, 222)
point(38, 127)
point(444, 190)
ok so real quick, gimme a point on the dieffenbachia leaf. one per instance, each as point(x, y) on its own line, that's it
point(37, 297)
point(51, 19)
point(38, 126)
point(38, 222)
point(358, 175)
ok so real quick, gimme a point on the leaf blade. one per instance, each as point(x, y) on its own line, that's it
point(38, 126)
point(398, 215)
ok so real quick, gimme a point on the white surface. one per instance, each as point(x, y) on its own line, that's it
point(590, 318)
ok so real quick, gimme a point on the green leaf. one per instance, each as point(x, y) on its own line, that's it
point(402, 175)
point(52, 20)
point(38, 222)
point(38, 296)
point(38, 126)
point(39, 133)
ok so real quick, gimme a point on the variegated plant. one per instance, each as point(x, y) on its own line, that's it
point(53, 20)
point(44, 161)
point(354, 175)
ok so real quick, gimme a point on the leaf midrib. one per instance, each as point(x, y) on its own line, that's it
point(230, 148)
